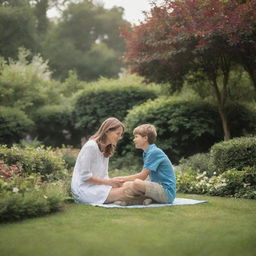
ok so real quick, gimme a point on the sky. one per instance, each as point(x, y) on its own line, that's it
point(133, 9)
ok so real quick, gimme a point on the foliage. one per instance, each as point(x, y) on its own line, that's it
point(36, 202)
point(14, 125)
point(40, 160)
point(17, 28)
point(236, 153)
point(242, 119)
point(86, 39)
point(25, 194)
point(175, 40)
point(184, 127)
point(128, 161)
point(53, 125)
point(198, 163)
point(26, 84)
point(232, 183)
point(107, 98)
point(69, 155)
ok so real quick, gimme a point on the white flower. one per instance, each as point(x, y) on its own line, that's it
point(45, 196)
point(15, 190)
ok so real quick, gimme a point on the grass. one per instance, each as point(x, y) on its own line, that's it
point(221, 227)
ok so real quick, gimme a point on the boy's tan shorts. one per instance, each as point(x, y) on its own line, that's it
point(156, 192)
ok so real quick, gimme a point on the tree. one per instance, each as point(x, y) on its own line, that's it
point(86, 37)
point(182, 37)
point(17, 27)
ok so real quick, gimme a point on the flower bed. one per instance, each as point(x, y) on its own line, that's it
point(232, 183)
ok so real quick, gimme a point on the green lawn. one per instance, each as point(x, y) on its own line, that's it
point(220, 227)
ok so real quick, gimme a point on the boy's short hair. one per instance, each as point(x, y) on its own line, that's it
point(148, 130)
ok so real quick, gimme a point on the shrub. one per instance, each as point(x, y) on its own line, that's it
point(232, 183)
point(26, 84)
point(53, 125)
point(40, 160)
point(236, 153)
point(14, 125)
point(69, 155)
point(95, 104)
point(37, 202)
point(198, 163)
point(242, 119)
point(184, 127)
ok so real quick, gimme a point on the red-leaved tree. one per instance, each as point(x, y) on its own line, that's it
point(180, 37)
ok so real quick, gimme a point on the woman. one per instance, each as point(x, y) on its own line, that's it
point(90, 181)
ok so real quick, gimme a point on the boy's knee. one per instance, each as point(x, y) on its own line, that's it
point(138, 183)
point(127, 184)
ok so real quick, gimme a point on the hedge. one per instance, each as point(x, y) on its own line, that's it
point(236, 153)
point(14, 125)
point(184, 127)
point(53, 125)
point(95, 104)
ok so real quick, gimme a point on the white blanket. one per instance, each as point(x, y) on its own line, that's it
point(177, 201)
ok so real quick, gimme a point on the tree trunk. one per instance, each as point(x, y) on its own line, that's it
point(224, 120)
point(221, 100)
point(253, 78)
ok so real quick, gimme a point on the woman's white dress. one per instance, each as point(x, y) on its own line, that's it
point(90, 162)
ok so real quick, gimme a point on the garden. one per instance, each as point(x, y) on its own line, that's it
point(197, 89)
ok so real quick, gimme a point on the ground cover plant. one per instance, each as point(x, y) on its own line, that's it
point(220, 227)
point(33, 182)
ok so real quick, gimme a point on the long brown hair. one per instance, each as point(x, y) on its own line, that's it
point(110, 124)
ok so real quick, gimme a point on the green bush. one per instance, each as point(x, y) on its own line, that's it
point(37, 202)
point(39, 160)
point(184, 127)
point(242, 119)
point(236, 153)
point(198, 163)
point(232, 183)
point(69, 155)
point(25, 83)
point(14, 125)
point(93, 105)
point(53, 125)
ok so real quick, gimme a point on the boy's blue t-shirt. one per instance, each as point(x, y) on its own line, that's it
point(161, 170)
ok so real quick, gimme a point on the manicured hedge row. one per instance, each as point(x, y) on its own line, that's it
point(236, 153)
point(97, 103)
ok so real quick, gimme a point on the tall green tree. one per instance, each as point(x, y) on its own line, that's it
point(87, 40)
point(17, 27)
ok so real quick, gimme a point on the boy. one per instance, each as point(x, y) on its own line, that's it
point(162, 185)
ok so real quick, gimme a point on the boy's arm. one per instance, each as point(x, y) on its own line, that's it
point(141, 175)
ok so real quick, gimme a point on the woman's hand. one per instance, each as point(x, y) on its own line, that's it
point(116, 182)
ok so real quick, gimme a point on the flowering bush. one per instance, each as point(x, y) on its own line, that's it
point(36, 202)
point(32, 182)
point(230, 183)
point(69, 155)
point(29, 160)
